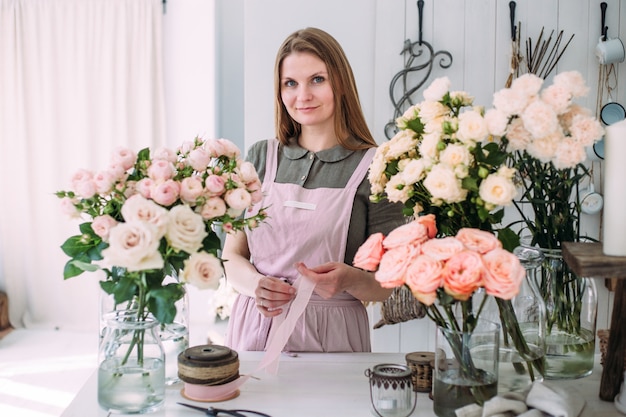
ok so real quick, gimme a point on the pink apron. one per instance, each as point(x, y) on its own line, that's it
point(308, 225)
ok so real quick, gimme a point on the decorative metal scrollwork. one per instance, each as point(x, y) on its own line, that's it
point(415, 51)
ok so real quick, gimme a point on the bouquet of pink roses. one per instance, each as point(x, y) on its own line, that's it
point(150, 216)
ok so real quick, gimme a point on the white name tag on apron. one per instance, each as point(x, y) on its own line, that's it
point(300, 205)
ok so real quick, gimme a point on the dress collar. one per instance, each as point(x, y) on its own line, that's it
point(336, 153)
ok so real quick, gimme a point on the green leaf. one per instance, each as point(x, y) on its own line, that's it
point(70, 270)
point(75, 246)
point(416, 125)
point(125, 289)
point(510, 239)
point(161, 302)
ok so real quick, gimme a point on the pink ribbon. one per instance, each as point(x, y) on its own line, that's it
point(281, 330)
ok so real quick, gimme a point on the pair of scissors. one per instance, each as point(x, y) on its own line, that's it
point(215, 412)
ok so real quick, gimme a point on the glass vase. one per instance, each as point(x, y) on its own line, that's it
point(131, 371)
point(174, 336)
point(175, 339)
point(522, 327)
point(571, 310)
point(466, 367)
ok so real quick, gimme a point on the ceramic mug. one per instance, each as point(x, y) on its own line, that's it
point(591, 202)
point(610, 51)
point(595, 152)
point(612, 112)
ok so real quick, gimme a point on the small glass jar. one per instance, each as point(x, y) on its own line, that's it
point(391, 390)
point(131, 372)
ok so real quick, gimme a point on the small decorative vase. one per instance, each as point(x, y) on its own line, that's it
point(131, 372)
point(522, 328)
point(175, 339)
point(571, 306)
point(466, 367)
point(391, 390)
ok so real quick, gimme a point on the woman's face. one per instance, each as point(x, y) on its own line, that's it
point(306, 91)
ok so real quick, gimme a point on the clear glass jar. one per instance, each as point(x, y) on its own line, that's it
point(131, 371)
point(571, 311)
point(466, 367)
point(522, 327)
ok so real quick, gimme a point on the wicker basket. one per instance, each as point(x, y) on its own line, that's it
point(420, 364)
point(603, 336)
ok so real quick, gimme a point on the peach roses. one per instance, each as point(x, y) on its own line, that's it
point(411, 255)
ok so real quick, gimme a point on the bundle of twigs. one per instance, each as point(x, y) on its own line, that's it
point(542, 57)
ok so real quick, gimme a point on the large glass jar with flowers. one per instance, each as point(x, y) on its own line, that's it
point(546, 135)
point(148, 225)
point(444, 162)
point(444, 274)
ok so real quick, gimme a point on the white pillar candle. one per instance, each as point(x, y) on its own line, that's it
point(614, 190)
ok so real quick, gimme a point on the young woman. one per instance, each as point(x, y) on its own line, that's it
point(316, 194)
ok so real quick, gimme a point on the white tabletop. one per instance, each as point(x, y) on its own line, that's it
point(316, 384)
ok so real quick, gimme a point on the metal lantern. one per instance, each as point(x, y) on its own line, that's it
point(391, 390)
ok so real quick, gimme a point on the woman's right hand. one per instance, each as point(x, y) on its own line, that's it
point(271, 294)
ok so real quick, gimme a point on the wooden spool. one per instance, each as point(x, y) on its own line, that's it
point(420, 364)
point(208, 365)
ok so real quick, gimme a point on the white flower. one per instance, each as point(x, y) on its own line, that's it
point(557, 97)
point(402, 143)
point(203, 270)
point(519, 138)
point(223, 299)
point(496, 121)
point(472, 127)
point(431, 111)
point(428, 146)
point(442, 184)
point(544, 149)
point(413, 171)
point(510, 102)
point(572, 81)
point(437, 89)
point(409, 114)
point(455, 155)
point(497, 189)
point(185, 230)
point(586, 130)
point(568, 154)
point(527, 85)
point(138, 208)
point(133, 245)
point(540, 119)
point(396, 190)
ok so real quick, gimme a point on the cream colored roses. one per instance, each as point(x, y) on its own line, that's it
point(444, 161)
point(457, 265)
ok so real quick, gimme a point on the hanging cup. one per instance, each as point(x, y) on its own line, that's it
point(612, 112)
point(610, 51)
point(591, 201)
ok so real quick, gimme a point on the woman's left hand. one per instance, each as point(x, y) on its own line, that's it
point(333, 278)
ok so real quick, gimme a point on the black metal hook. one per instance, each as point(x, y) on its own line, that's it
point(512, 5)
point(420, 12)
point(603, 29)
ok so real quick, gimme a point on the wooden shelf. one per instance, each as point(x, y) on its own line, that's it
point(586, 259)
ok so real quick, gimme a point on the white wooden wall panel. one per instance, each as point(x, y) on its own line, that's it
point(475, 32)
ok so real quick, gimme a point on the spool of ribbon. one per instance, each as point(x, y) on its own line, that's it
point(220, 360)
